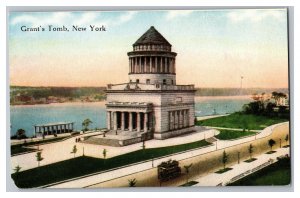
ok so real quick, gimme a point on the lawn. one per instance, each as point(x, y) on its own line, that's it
point(241, 121)
point(229, 135)
point(83, 165)
point(20, 149)
point(278, 173)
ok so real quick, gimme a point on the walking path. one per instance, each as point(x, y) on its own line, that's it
point(60, 151)
point(210, 116)
point(240, 170)
point(231, 129)
point(142, 166)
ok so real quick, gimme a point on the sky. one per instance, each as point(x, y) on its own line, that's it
point(215, 47)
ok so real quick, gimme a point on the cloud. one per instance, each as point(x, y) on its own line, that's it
point(178, 13)
point(61, 18)
point(254, 15)
point(125, 17)
point(86, 18)
point(55, 18)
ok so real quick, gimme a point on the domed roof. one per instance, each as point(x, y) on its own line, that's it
point(152, 36)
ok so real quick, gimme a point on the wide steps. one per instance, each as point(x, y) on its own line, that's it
point(102, 141)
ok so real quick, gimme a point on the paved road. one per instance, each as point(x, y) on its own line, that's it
point(214, 179)
point(60, 151)
point(83, 182)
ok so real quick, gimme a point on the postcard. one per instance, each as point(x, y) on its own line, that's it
point(153, 98)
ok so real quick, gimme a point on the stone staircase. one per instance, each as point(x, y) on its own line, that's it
point(102, 141)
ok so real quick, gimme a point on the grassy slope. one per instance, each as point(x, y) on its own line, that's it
point(239, 120)
point(86, 165)
point(228, 134)
point(275, 174)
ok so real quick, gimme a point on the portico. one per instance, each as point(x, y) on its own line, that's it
point(132, 117)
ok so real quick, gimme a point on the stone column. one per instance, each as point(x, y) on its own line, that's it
point(115, 120)
point(129, 65)
point(175, 120)
point(145, 122)
point(170, 120)
point(138, 124)
point(174, 66)
point(161, 64)
point(166, 65)
point(181, 118)
point(108, 121)
point(140, 65)
point(156, 64)
point(150, 64)
point(187, 118)
point(130, 121)
point(122, 121)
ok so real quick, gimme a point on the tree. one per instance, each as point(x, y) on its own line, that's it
point(144, 145)
point(39, 157)
point(277, 96)
point(187, 170)
point(250, 150)
point(21, 134)
point(74, 150)
point(224, 159)
point(104, 153)
point(286, 139)
point(17, 169)
point(271, 143)
point(85, 124)
point(132, 182)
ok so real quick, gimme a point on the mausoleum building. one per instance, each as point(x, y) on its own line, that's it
point(150, 104)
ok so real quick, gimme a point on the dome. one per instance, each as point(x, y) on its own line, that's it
point(153, 37)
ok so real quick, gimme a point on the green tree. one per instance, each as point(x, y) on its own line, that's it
point(17, 169)
point(143, 145)
point(271, 143)
point(132, 182)
point(250, 150)
point(74, 150)
point(21, 134)
point(286, 139)
point(85, 124)
point(104, 153)
point(187, 170)
point(224, 159)
point(39, 157)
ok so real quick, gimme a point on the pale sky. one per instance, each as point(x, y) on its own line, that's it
point(215, 47)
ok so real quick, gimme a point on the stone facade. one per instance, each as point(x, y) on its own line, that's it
point(151, 103)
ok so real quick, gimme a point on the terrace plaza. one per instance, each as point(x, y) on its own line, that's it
point(151, 105)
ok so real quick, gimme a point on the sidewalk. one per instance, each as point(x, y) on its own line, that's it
point(214, 179)
point(59, 151)
point(142, 166)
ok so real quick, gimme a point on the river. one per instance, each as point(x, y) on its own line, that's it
point(25, 116)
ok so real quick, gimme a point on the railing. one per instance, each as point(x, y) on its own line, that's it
point(248, 172)
point(143, 86)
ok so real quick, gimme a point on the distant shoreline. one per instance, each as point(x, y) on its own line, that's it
point(90, 102)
